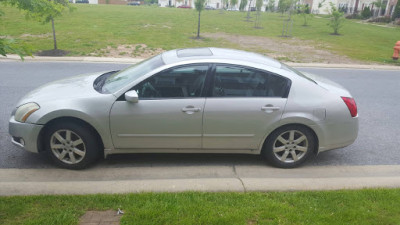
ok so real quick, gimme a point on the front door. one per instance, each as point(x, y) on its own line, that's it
point(244, 102)
point(168, 114)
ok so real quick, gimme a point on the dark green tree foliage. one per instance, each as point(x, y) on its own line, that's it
point(366, 13)
point(396, 13)
point(242, 6)
point(11, 46)
point(199, 5)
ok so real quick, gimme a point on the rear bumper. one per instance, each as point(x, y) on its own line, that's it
point(24, 135)
point(336, 135)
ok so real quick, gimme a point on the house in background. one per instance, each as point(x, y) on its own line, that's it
point(89, 1)
point(352, 6)
point(316, 6)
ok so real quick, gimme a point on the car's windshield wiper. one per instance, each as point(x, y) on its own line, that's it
point(99, 82)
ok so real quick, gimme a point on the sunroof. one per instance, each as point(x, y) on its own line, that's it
point(190, 52)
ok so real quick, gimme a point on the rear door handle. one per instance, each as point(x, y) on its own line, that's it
point(269, 108)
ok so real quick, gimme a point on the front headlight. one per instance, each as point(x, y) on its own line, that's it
point(25, 110)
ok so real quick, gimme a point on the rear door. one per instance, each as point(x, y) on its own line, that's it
point(243, 102)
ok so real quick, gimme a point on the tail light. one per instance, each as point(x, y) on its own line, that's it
point(351, 104)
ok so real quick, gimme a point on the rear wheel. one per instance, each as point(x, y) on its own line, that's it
point(71, 146)
point(289, 146)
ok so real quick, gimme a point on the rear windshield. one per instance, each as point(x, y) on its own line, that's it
point(290, 69)
point(119, 80)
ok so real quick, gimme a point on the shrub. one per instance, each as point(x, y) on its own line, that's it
point(366, 13)
point(396, 13)
point(381, 19)
point(353, 16)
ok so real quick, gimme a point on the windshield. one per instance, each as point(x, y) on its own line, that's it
point(290, 69)
point(118, 80)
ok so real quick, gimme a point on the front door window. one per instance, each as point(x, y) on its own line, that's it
point(181, 82)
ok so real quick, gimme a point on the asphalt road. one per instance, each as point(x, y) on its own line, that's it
point(376, 93)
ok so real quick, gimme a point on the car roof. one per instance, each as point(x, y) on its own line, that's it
point(189, 54)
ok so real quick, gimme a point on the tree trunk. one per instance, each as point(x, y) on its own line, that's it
point(54, 34)
point(356, 7)
point(248, 12)
point(198, 27)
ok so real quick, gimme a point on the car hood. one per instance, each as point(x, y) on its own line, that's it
point(80, 86)
point(328, 84)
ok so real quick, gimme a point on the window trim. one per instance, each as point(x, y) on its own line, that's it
point(203, 92)
point(212, 82)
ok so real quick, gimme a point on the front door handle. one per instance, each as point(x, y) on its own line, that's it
point(269, 108)
point(190, 109)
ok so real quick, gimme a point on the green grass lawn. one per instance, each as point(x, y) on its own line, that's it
point(373, 206)
point(93, 27)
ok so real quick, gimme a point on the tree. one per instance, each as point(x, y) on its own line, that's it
point(271, 5)
point(199, 4)
point(366, 13)
point(180, 1)
point(242, 5)
point(233, 3)
point(320, 4)
point(305, 13)
point(11, 46)
point(336, 19)
point(42, 10)
point(381, 6)
point(248, 12)
point(53, 9)
point(283, 6)
point(396, 13)
point(223, 5)
point(259, 4)
point(288, 5)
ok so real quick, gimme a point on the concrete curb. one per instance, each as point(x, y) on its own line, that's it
point(70, 59)
point(135, 60)
point(188, 178)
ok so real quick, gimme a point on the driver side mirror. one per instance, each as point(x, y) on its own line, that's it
point(132, 96)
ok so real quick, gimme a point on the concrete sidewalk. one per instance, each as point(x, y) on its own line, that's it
point(239, 178)
point(135, 60)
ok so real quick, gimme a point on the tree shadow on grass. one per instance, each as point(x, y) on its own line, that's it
point(52, 52)
point(198, 38)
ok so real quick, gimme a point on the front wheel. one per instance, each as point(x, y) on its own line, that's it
point(71, 146)
point(289, 146)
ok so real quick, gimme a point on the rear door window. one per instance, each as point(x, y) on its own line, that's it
point(236, 81)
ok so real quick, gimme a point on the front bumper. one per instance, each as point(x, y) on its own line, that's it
point(24, 135)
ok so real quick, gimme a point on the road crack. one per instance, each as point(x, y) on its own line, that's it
point(237, 176)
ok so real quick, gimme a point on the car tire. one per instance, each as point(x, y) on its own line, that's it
point(289, 146)
point(71, 146)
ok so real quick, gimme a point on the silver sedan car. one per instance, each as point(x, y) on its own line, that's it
point(200, 100)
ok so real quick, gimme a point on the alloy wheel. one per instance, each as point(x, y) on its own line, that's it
point(67, 146)
point(290, 146)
